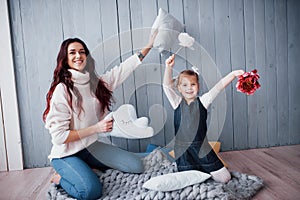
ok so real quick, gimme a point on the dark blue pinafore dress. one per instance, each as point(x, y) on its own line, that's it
point(192, 150)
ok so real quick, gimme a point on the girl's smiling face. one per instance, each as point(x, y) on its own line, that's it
point(76, 56)
point(188, 87)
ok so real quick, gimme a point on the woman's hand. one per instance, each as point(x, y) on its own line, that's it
point(144, 51)
point(152, 39)
point(170, 61)
point(104, 125)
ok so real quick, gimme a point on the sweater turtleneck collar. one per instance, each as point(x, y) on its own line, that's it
point(80, 77)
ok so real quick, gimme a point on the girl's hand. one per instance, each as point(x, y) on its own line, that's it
point(237, 73)
point(170, 61)
point(104, 125)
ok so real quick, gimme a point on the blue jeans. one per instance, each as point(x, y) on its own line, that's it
point(80, 181)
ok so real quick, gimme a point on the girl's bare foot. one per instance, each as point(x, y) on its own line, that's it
point(55, 178)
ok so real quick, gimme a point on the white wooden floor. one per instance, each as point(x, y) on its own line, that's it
point(278, 166)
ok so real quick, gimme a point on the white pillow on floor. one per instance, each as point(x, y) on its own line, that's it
point(175, 181)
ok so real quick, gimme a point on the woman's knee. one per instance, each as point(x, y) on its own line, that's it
point(135, 165)
point(89, 191)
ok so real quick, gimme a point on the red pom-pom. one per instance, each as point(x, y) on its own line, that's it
point(248, 82)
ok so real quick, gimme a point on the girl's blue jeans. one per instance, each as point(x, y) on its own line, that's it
point(80, 181)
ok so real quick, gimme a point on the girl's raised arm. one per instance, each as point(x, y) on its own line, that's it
point(168, 85)
point(208, 97)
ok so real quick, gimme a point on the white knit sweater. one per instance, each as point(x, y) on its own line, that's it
point(61, 118)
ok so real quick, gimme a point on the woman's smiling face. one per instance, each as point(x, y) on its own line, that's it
point(76, 56)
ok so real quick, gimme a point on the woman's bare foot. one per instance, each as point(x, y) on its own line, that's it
point(55, 178)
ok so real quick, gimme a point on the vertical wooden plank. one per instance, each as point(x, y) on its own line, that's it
point(3, 157)
point(10, 112)
point(153, 80)
point(191, 11)
point(293, 17)
point(34, 14)
point(126, 50)
point(222, 42)
point(192, 23)
point(207, 27)
point(125, 35)
point(139, 74)
point(250, 65)
point(32, 72)
point(44, 10)
point(176, 10)
point(92, 26)
point(108, 10)
point(138, 39)
point(110, 31)
point(259, 26)
point(210, 71)
point(165, 136)
point(21, 77)
point(93, 33)
point(282, 71)
point(271, 75)
point(34, 135)
point(73, 19)
point(238, 62)
point(143, 14)
point(92, 14)
point(167, 113)
point(207, 40)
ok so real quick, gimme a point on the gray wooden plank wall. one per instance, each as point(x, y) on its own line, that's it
point(247, 34)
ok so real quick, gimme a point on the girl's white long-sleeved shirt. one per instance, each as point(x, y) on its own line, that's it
point(61, 118)
point(206, 99)
point(174, 99)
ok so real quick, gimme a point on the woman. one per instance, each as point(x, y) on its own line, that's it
point(77, 102)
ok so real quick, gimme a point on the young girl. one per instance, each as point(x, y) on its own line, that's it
point(192, 150)
point(77, 102)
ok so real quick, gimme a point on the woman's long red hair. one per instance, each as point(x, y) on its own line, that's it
point(62, 75)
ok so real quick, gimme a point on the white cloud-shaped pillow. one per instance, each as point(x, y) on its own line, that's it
point(175, 181)
point(168, 30)
point(127, 125)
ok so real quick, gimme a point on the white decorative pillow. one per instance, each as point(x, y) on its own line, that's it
point(175, 181)
point(168, 30)
point(127, 125)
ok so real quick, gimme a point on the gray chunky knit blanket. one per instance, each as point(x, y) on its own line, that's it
point(125, 186)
